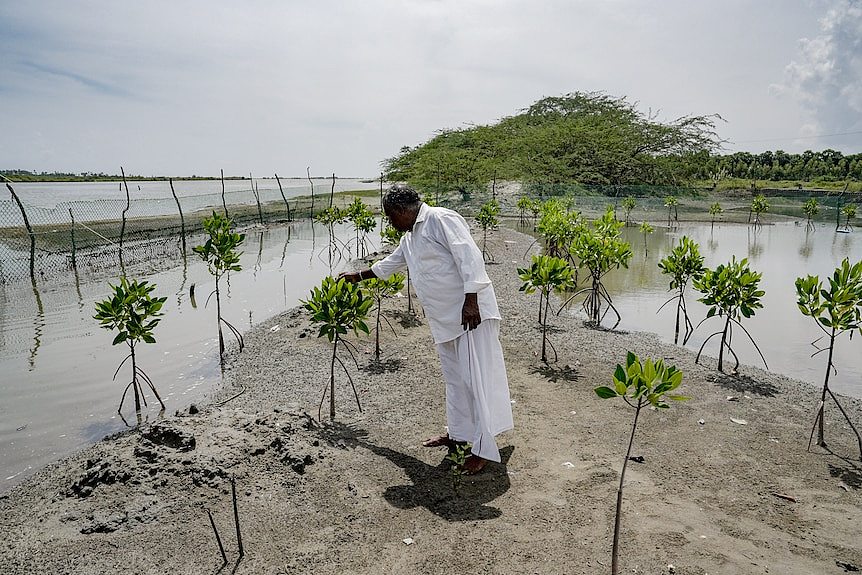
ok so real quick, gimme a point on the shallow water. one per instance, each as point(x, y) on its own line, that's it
point(782, 252)
point(57, 394)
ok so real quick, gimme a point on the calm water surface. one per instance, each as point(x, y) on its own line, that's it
point(782, 252)
point(56, 363)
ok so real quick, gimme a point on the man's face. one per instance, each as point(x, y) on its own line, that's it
point(401, 220)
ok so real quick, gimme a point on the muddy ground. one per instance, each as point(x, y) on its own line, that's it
point(711, 495)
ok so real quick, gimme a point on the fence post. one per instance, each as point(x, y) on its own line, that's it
point(72, 231)
point(29, 232)
point(280, 189)
point(222, 195)
point(381, 192)
point(332, 190)
point(308, 175)
point(182, 219)
point(256, 193)
point(123, 225)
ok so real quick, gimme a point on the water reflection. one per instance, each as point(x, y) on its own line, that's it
point(59, 364)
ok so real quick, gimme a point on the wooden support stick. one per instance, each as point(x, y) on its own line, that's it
point(218, 539)
point(236, 517)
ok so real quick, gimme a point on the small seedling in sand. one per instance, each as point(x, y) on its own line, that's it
point(379, 289)
point(338, 306)
point(682, 265)
point(836, 310)
point(638, 384)
point(221, 255)
point(646, 230)
point(133, 313)
point(546, 274)
point(457, 457)
point(731, 291)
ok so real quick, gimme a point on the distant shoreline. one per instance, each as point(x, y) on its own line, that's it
point(18, 178)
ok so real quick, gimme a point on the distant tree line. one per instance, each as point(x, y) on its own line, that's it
point(28, 176)
point(826, 166)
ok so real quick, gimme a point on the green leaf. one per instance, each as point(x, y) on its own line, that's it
point(605, 392)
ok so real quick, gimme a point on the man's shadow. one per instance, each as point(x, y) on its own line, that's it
point(431, 486)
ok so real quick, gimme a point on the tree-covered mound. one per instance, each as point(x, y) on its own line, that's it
point(587, 137)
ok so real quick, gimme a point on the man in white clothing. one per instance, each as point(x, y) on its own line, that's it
point(448, 273)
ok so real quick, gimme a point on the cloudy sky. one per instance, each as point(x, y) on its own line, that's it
point(264, 86)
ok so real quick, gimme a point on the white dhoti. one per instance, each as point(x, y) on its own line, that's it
point(477, 389)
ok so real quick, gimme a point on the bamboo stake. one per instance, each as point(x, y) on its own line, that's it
point(29, 231)
point(218, 539)
point(236, 517)
point(280, 189)
point(182, 219)
point(308, 175)
point(72, 232)
point(332, 191)
point(223, 202)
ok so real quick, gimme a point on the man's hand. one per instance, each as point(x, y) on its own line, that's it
point(351, 277)
point(470, 317)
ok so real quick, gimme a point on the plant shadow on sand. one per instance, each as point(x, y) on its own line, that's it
point(556, 374)
point(431, 486)
point(383, 366)
point(743, 383)
point(850, 474)
point(406, 319)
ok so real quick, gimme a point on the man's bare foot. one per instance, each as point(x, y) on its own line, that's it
point(474, 464)
point(439, 441)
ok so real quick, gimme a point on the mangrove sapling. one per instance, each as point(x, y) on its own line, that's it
point(810, 208)
point(329, 217)
point(133, 313)
point(646, 230)
point(524, 204)
point(487, 220)
point(715, 209)
point(379, 289)
point(338, 306)
point(599, 248)
point(558, 228)
point(639, 385)
point(546, 274)
point(363, 222)
point(457, 457)
point(836, 311)
point(759, 206)
point(684, 263)
point(221, 255)
point(628, 204)
point(391, 236)
point(849, 212)
point(731, 291)
point(672, 205)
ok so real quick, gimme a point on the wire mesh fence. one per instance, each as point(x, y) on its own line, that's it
point(106, 233)
point(102, 235)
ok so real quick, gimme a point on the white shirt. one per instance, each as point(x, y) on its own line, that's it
point(445, 264)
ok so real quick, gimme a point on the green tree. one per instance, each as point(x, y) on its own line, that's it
point(672, 205)
point(836, 311)
point(731, 291)
point(849, 212)
point(683, 264)
point(715, 209)
point(639, 385)
point(338, 306)
point(133, 312)
point(759, 206)
point(546, 274)
point(221, 256)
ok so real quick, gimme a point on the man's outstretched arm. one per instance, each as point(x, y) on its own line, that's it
point(354, 277)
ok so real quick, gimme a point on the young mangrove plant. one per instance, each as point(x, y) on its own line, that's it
point(646, 230)
point(849, 212)
point(759, 206)
point(639, 385)
point(338, 306)
point(133, 312)
point(683, 264)
point(524, 205)
point(731, 291)
point(487, 220)
point(836, 310)
point(558, 227)
point(672, 205)
point(457, 457)
point(810, 208)
point(715, 209)
point(389, 235)
point(379, 289)
point(599, 248)
point(547, 274)
point(363, 222)
point(221, 256)
point(329, 217)
point(628, 204)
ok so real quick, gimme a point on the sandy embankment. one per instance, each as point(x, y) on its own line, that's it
point(343, 498)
